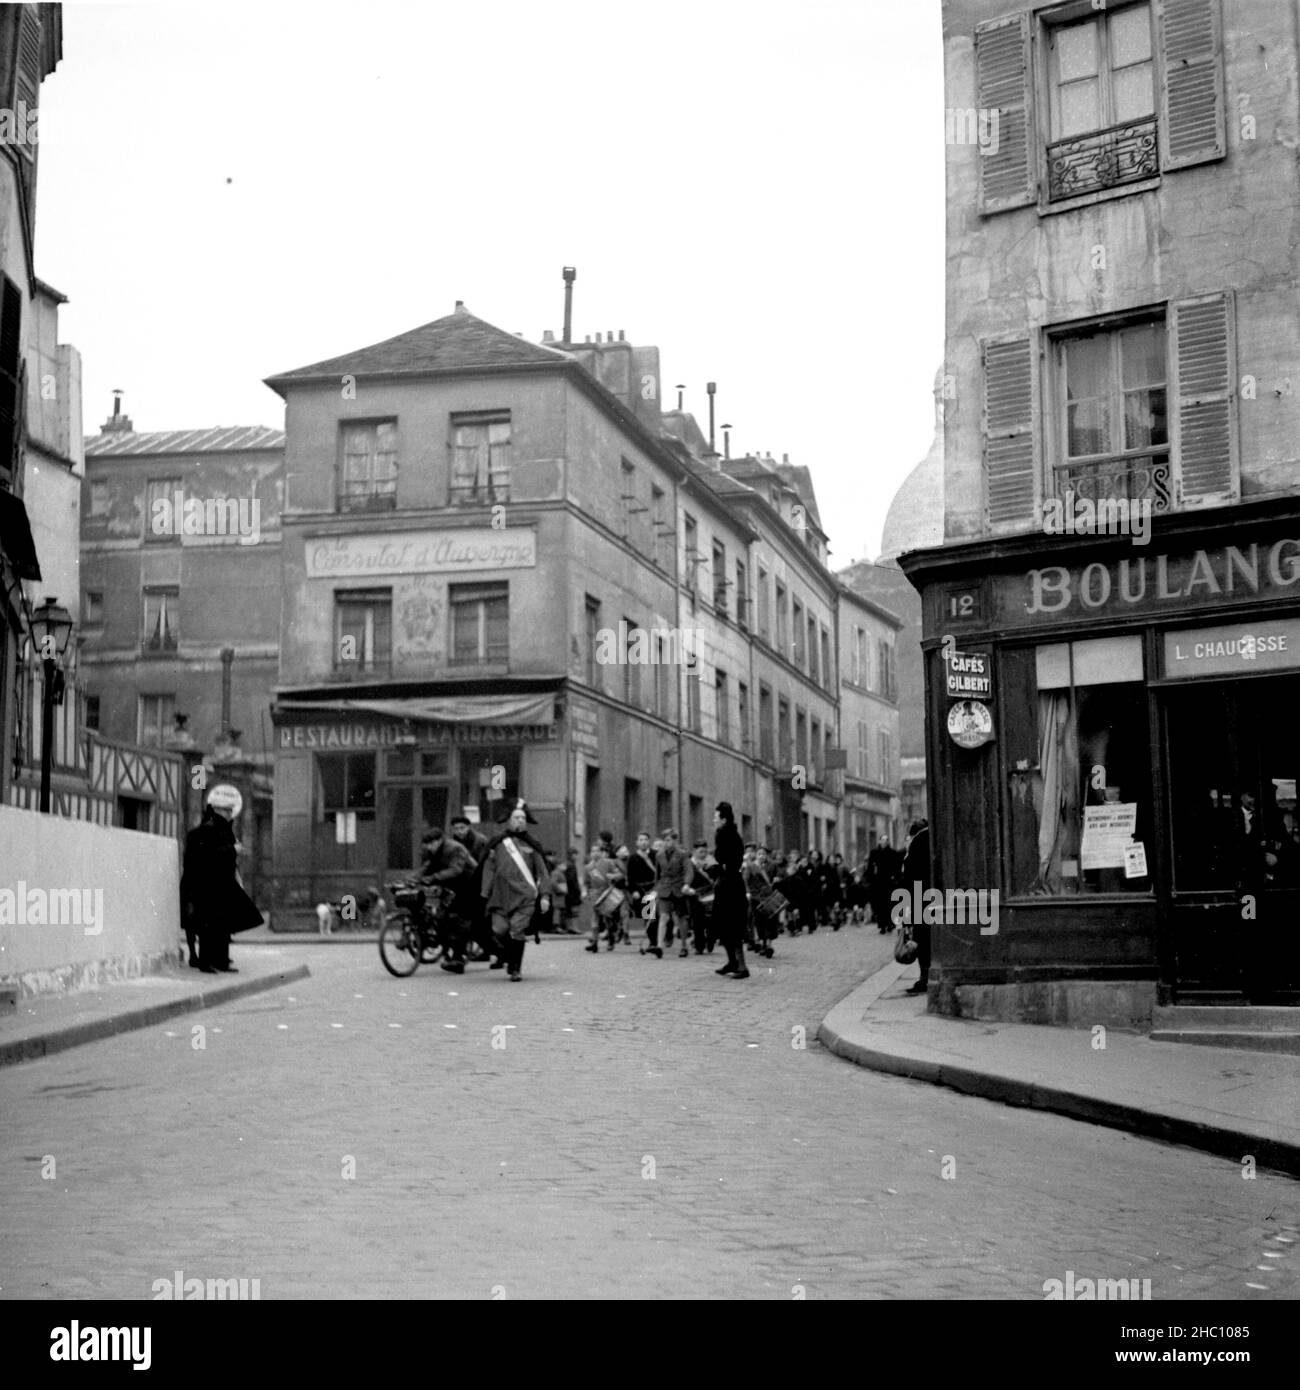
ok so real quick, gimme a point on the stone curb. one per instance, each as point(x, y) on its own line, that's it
point(1277, 1154)
point(95, 1029)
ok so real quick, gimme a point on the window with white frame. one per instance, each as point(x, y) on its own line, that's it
point(363, 626)
point(161, 633)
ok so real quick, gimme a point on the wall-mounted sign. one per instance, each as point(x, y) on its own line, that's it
point(970, 724)
point(970, 675)
point(1150, 583)
point(1239, 650)
point(344, 736)
point(421, 552)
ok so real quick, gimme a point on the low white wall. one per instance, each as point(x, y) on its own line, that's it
point(109, 899)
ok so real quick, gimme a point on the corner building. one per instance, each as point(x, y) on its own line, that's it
point(1121, 328)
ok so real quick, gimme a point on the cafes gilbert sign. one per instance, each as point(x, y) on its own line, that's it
point(421, 552)
point(1150, 583)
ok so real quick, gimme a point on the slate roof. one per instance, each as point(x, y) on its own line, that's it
point(226, 439)
point(459, 340)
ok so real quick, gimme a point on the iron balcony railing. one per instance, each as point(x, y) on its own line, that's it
point(1102, 159)
point(1132, 478)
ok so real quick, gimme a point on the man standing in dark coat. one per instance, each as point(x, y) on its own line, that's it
point(214, 904)
point(730, 901)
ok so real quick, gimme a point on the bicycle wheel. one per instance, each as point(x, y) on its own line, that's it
point(400, 944)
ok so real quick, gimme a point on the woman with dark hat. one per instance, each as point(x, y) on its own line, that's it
point(730, 901)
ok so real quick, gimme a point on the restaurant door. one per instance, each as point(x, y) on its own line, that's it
point(1233, 753)
point(415, 796)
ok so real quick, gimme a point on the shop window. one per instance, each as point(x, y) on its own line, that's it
point(489, 778)
point(363, 627)
point(369, 474)
point(1080, 767)
point(480, 624)
point(480, 466)
point(399, 762)
point(436, 763)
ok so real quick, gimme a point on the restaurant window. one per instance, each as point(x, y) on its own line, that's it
point(368, 480)
point(480, 624)
point(1113, 425)
point(161, 621)
point(157, 715)
point(363, 624)
point(489, 778)
point(1079, 762)
point(480, 462)
point(345, 782)
point(161, 522)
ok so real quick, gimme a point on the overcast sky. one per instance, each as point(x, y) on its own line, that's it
point(756, 188)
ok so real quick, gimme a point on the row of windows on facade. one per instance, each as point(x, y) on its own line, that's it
point(1103, 425)
point(349, 782)
point(1122, 95)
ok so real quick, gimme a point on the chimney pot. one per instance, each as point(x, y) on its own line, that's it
point(547, 336)
point(621, 338)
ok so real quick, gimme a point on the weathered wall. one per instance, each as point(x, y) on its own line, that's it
point(135, 877)
point(1233, 224)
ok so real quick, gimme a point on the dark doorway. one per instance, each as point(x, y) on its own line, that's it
point(1233, 753)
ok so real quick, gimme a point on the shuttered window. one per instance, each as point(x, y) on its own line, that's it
point(1191, 80)
point(1010, 433)
point(1205, 419)
point(27, 81)
point(1008, 172)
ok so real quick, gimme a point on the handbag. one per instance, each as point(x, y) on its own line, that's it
point(905, 948)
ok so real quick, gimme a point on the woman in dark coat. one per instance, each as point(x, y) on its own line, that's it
point(214, 904)
point(730, 901)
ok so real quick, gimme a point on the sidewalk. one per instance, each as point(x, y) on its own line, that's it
point(51, 1023)
point(1227, 1100)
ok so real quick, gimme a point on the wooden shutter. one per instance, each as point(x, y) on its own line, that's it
point(1002, 83)
point(27, 74)
point(1010, 432)
point(1190, 45)
point(1205, 397)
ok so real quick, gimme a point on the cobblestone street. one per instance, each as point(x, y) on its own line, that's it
point(613, 1126)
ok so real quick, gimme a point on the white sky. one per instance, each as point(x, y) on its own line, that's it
point(757, 188)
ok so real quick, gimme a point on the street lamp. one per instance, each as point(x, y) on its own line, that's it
point(50, 628)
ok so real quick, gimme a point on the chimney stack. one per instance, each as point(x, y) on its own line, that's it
point(117, 423)
point(711, 387)
point(570, 275)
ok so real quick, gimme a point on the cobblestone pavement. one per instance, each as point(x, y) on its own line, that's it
point(612, 1126)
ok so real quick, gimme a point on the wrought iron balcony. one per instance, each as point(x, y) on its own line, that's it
point(1102, 159)
point(1134, 478)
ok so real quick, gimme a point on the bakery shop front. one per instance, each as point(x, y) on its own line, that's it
point(1115, 733)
